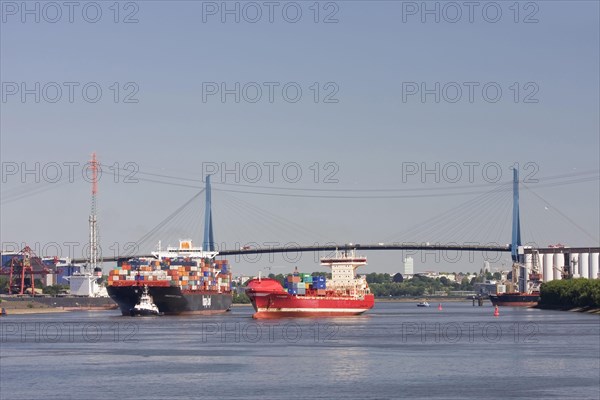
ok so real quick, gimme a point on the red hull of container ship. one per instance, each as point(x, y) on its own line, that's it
point(270, 300)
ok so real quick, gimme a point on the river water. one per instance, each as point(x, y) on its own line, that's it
point(396, 350)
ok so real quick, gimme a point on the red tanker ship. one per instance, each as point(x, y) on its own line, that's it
point(306, 295)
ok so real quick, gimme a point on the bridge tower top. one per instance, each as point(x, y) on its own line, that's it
point(516, 220)
point(209, 241)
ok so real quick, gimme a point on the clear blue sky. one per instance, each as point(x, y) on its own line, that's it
point(373, 55)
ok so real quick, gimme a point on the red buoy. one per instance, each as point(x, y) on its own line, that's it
point(496, 312)
point(440, 307)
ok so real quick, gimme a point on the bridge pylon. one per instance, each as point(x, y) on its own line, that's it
point(209, 241)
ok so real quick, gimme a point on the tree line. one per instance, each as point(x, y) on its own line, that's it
point(386, 285)
point(580, 292)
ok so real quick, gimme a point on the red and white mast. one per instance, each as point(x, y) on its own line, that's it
point(93, 260)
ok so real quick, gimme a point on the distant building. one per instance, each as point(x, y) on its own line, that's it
point(485, 289)
point(486, 267)
point(427, 274)
point(408, 266)
point(450, 276)
point(241, 279)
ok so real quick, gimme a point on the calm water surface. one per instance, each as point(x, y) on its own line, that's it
point(395, 351)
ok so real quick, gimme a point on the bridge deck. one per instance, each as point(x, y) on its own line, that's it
point(376, 247)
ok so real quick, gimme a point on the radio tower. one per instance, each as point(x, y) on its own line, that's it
point(93, 261)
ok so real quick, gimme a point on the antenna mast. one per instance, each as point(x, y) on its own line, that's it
point(93, 261)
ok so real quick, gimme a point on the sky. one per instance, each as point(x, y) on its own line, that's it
point(344, 122)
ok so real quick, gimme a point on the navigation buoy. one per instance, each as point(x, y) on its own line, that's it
point(496, 312)
point(440, 307)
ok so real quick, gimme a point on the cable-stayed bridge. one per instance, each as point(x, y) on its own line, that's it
point(490, 207)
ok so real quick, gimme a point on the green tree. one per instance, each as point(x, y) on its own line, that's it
point(240, 298)
point(3, 284)
point(398, 278)
point(465, 284)
point(579, 292)
point(54, 290)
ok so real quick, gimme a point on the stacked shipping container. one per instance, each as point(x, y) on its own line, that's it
point(188, 274)
point(303, 284)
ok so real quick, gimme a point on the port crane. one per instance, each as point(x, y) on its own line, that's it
point(20, 265)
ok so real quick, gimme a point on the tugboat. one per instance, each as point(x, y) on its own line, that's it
point(145, 307)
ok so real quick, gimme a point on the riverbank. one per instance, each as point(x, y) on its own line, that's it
point(588, 310)
point(19, 307)
point(21, 311)
point(41, 305)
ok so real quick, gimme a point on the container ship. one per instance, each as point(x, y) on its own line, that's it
point(180, 280)
point(307, 295)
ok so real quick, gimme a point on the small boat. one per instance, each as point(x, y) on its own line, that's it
point(423, 304)
point(146, 306)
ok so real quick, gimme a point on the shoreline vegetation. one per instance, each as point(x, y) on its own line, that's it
point(578, 294)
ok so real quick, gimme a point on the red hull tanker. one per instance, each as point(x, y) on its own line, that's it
point(305, 295)
point(271, 300)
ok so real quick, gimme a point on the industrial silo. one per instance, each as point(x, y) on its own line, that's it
point(548, 263)
point(559, 265)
